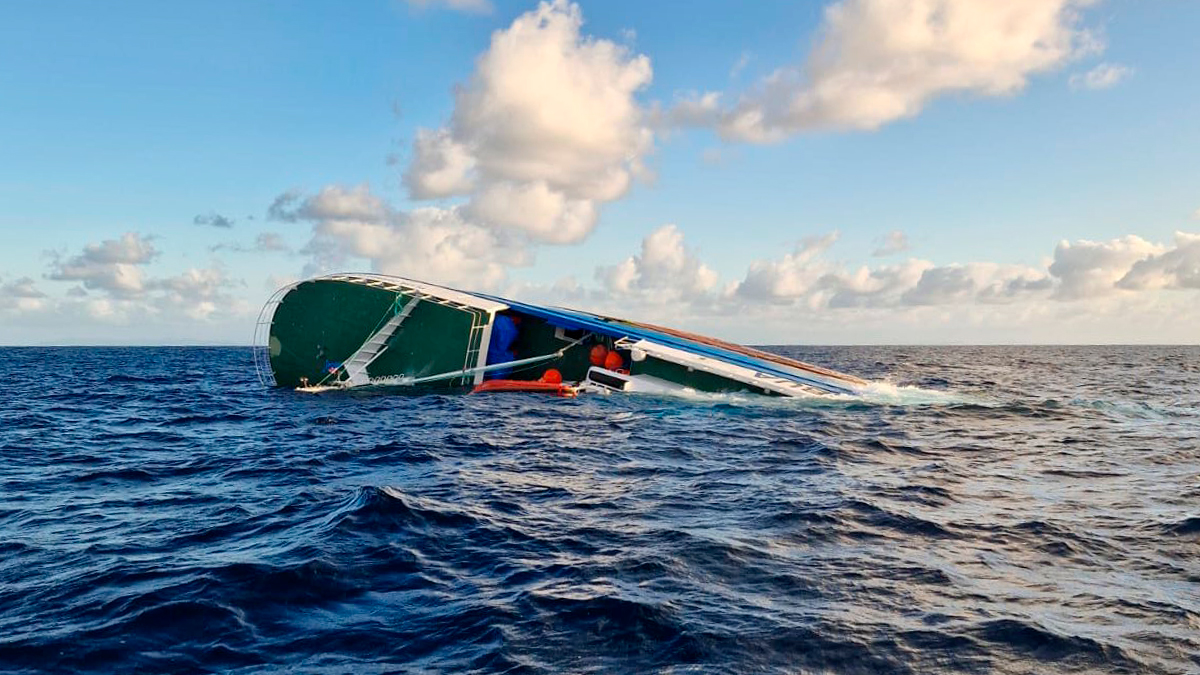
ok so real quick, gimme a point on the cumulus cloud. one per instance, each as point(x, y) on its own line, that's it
point(1089, 268)
point(114, 289)
point(1079, 271)
point(894, 242)
point(794, 275)
point(21, 295)
point(113, 265)
point(665, 270)
point(441, 166)
point(807, 279)
point(545, 131)
point(978, 282)
point(1176, 268)
point(536, 209)
point(878, 61)
point(213, 219)
point(198, 293)
point(1102, 76)
point(884, 286)
point(432, 244)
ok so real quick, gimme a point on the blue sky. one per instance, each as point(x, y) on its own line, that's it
point(1025, 174)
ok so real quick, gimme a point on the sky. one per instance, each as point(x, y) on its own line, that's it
point(774, 172)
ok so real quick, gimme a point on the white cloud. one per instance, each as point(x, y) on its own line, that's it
point(1088, 268)
point(21, 295)
point(114, 292)
point(883, 286)
point(546, 130)
point(664, 271)
point(878, 61)
point(978, 282)
point(441, 166)
point(113, 265)
point(1102, 76)
point(805, 278)
point(793, 276)
point(894, 242)
point(1079, 271)
point(477, 6)
point(1176, 268)
point(536, 209)
point(335, 202)
point(432, 244)
point(198, 293)
point(1119, 290)
point(941, 286)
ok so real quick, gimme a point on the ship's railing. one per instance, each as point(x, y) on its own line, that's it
point(262, 337)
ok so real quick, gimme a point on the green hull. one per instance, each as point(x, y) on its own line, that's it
point(359, 329)
point(320, 324)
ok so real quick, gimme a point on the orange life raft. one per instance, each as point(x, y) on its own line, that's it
point(556, 388)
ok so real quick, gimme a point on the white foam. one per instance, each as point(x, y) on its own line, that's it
point(873, 393)
point(887, 393)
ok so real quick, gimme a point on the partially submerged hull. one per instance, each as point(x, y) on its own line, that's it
point(346, 331)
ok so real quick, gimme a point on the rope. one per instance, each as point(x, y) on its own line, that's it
point(408, 380)
point(387, 315)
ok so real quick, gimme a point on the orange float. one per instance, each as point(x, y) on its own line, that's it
point(556, 388)
point(598, 354)
point(614, 361)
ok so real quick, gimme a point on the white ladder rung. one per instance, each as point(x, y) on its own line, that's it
point(356, 365)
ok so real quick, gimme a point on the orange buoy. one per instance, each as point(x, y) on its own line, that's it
point(598, 354)
point(552, 376)
point(614, 361)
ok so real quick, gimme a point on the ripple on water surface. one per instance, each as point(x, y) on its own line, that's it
point(983, 509)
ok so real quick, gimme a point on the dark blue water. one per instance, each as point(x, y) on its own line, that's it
point(1002, 510)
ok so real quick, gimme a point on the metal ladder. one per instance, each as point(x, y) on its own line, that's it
point(474, 340)
point(376, 345)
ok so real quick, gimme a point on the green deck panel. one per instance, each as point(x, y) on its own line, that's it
point(433, 339)
point(330, 319)
point(535, 337)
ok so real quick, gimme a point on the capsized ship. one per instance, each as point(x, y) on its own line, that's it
point(345, 331)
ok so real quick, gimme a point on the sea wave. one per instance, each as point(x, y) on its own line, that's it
point(999, 510)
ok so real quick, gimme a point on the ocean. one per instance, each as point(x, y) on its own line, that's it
point(982, 510)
